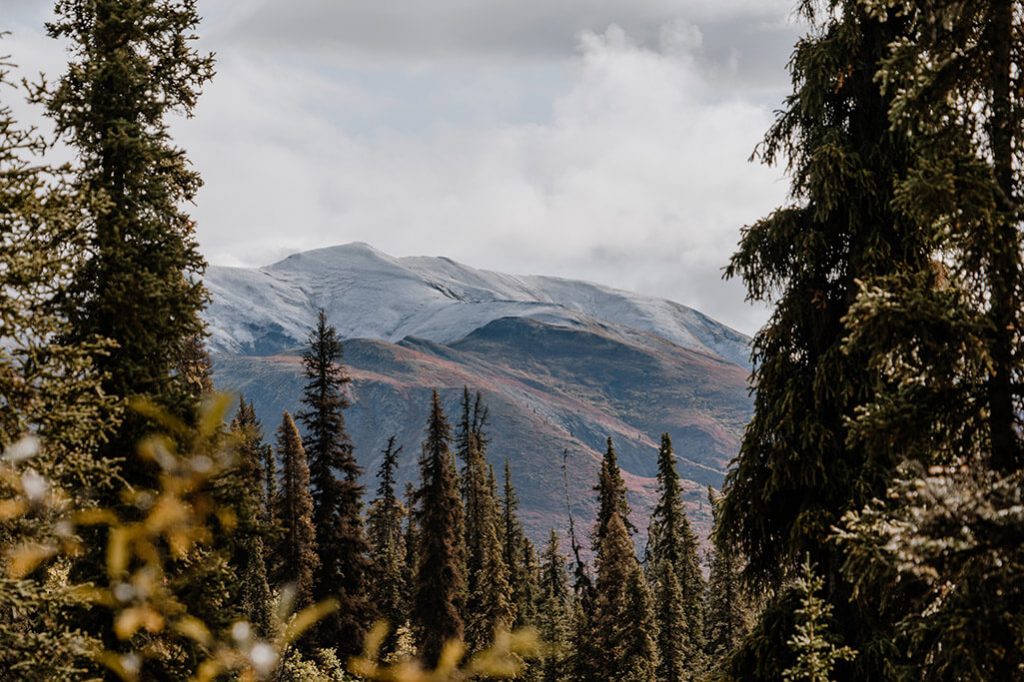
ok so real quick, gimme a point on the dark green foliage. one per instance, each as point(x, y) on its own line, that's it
point(676, 660)
point(47, 388)
point(298, 556)
point(411, 565)
point(131, 66)
point(671, 541)
point(623, 627)
point(337, 495)
point(519, 555)
point(489, 605)
point(798, 470)
point(611, 495)
point(554, 615)
point(249, 555)
point(440, 578)
point(727, 613)
point(946, 340)
point(489, 596)
point(388, 587)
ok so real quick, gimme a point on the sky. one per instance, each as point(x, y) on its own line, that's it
point(606, 140)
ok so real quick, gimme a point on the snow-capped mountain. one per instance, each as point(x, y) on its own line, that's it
point(562, 364)
point(368, 294)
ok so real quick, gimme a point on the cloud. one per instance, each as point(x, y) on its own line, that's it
point(637, 176)
point(600, 139)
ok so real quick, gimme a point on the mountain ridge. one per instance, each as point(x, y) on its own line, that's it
point(562, 364)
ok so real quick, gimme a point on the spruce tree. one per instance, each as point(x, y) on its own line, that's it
point(726, 609)
point(671, 540)
point(298, 556)
point(51, 404)
point(337, 494)
point(440, 579)
point(676, 660)
point(611, 495)
point(945, 340)
point(554, 614)
point(411, 565)
point(623, 626)
point(519, 555)
point(132, 65)
point(489, 599)
point(798, 470)
point(249, 556)
point(816, 652)
point(388, 588)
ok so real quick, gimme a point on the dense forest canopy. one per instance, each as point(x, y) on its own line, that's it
point(870, 526)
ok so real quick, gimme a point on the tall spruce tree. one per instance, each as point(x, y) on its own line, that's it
point(623, 626)
point(726, 609)
point(519, 555)
point(131, 65)
point(388, 588)
point(554, 614)
point(299, 560)
point(249, 555)
point(50, 401)
point(411, 565)
point(489, 594)
point(671, 540)
point(337, 494)
point(440, 578)
point(611, 495)
point(946, 340)
point(676, 660)
point(798, 470)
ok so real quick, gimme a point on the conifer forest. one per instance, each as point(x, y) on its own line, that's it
point(870, 527)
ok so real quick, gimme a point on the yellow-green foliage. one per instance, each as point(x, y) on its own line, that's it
point(504, 659)
point(176, 521)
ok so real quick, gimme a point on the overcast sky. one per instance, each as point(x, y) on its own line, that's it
point(606, 140)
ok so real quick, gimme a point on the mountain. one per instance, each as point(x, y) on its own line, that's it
point(562, 365)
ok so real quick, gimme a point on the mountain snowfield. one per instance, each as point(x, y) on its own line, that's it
point(369, 294)
point(563, 364)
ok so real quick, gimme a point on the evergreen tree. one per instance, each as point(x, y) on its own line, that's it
point(132, 64)
point(554, 615)
point(299, 558)
point(727, 613)
point(611, 495)
point(798, 470)
point(946, 340)
point(489, 600)
point(440, 579)
point(623, 627)
point(490, 606)
point(337, 495)
point(816, 653)
point(387, 546)
point(411, 565)
point(519, 555)
point(677, 661)
point(249, 552)
point(671, 540)
point(52, 410)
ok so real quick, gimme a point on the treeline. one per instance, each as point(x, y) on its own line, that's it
point(451, 561)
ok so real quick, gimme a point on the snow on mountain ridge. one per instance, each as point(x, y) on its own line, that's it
point(369, 294)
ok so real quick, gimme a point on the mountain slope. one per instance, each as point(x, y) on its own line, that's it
point(562, 365)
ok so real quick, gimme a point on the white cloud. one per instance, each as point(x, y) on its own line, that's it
point(457, 132)
point(639, 178)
